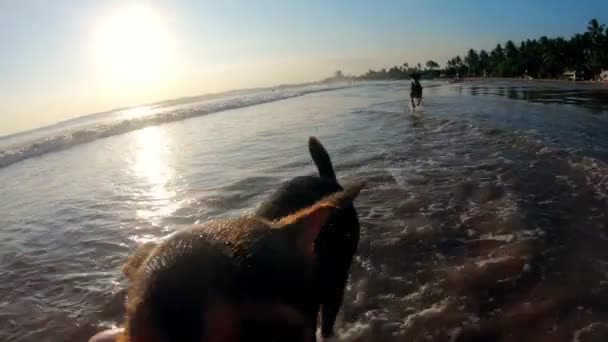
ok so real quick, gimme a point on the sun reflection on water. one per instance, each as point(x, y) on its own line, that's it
point(152, 165)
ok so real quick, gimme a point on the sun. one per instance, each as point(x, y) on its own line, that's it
point(132, 46)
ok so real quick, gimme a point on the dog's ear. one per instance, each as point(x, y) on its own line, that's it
point(304, 225)
point(136, 259)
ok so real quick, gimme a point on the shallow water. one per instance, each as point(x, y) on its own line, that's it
point(484, 217)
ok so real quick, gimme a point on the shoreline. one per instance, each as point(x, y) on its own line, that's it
point(477, 79)
point(546, 80)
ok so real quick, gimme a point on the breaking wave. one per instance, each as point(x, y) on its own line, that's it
point(86, 133)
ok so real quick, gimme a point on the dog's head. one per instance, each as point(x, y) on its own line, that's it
point(230, 280)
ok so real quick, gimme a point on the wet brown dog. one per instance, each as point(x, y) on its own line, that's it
point(338, 240)
point(259, 277)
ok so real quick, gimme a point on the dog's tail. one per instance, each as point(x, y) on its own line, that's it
point(321, 158)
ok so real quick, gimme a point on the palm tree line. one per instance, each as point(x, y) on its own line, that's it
point(584, 53)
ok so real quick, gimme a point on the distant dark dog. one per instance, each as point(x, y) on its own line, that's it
point(252, 278)
point(338, 240)
point(415, 90)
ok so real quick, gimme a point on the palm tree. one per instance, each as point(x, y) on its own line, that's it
point(431, 64)
point(529, 57)
point(460, 67)
point(596, 52)
point(595, 29)
point(452, 65)
point(497, 56)
point(484, 62)
point(394, 73)
point(472, 61)
point(576, 52)
point(585, 52)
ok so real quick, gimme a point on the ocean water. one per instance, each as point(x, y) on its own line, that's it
point(484, 216)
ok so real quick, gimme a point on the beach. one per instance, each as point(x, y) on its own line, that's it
point(484, 214)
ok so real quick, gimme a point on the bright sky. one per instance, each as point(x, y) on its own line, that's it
point(64, 58)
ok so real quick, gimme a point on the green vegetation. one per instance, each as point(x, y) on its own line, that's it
point(585, 53)
point(403, 72)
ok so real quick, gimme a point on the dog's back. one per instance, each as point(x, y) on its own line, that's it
point(300, 192)
point(230, 280)
point(338, 240)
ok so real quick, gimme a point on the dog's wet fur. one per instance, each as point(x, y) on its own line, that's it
point(257, 277)
point(337, 241)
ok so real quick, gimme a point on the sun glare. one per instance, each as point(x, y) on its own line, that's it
point(151, 165)
point(132, 46)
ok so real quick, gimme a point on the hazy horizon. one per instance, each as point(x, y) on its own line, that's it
point(66, 59)
point(152, 103)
